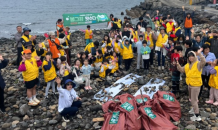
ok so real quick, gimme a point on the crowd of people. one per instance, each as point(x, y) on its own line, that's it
point(160, 37)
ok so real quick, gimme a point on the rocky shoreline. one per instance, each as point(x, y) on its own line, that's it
point(46, 117)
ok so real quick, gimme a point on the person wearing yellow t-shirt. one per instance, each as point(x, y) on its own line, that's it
point(88, 34)
point(48, 68)
point(30, 71)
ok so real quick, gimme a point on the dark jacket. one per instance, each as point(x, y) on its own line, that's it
point(143, 24)
point(3, 64)
point(214, 46)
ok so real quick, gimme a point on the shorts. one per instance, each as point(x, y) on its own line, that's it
point(32, 83)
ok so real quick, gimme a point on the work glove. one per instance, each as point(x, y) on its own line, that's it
point(146, 52)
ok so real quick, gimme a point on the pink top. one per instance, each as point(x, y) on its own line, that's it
point(22, 67)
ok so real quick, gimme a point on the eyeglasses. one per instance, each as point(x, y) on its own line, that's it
point(68, 84)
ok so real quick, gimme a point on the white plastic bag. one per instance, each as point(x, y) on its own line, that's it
point(78, 79)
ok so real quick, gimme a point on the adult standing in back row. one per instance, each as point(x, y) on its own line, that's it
point(142, 23)
point(188, 22)
point(17, 37)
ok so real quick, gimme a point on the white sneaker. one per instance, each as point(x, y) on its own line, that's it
point(65, 119)
point(32, 103)
point(159, 68)
point(36, 100)
point(162, 67)
point(191, 111)
point(194, 118)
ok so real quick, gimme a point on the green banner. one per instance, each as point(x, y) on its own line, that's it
point(84, 18)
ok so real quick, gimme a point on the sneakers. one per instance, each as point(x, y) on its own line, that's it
point(210, 102)
point(159, 68)
point(36, 100)
point(215, 103)
point(191, 111)
point(66, 119)
point(194, 118)
point(32, 103)
point(162, 67)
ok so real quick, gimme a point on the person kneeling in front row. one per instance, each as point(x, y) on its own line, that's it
point(67, 106)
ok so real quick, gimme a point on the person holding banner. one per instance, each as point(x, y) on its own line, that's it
point(145, 51)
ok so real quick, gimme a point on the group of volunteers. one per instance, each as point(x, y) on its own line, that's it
point(161, 36)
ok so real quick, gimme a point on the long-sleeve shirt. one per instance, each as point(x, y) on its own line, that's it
point(199, 44)
point(144, 49)
point(139, 46)
point(66, 98)
point(22, 67)
point(3, 64)
point(209, 57)
point(48, 67)
point(17, 37)
point(121, 45)
point(86, 70)
point(142, 24)
point(200, 64)
point(63, 68)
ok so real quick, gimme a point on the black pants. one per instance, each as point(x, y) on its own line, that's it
point(42, 58)
point(205, 80)
point(175, 87)
point(19, 50)
point(71, 111)
point(2, 106)
point(107, 72)
point(146, 64)
point(127, 63)
point(151, 57)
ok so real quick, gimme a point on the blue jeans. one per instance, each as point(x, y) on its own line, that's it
point(71, 111)
point(88, 41)
point(160, 54)
point(188, 32)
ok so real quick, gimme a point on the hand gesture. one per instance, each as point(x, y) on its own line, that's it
point(156, 26)
point(203, 31)
point(105, 50)
point(23, 59)
point(199, 51)
point(213, 64)
point(37, 58)
point(78, 98)
point(148, 15)
point(1, 58)
point(58, 80)
point(192, 30)
point(78, 55)
point(177, 62)
point(210, 34)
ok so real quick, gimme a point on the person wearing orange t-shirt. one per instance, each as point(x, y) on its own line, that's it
point(188, 22)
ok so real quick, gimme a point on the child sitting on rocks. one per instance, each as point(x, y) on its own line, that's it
point(65, 69)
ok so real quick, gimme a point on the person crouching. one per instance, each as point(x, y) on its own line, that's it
point(30, 71)
point(67, 106)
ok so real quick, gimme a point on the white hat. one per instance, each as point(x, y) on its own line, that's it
point(51, 33)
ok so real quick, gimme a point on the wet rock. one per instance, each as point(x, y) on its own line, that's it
point(23, 109)
point(213, 116)
point(6, 125)
point(191, 127)
point(52, 122)
point(204, 114)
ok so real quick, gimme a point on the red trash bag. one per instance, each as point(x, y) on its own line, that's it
point(139, 101)
point(157, 107)
point(114, 119)
point(153, 120)
point(128, 105)
point(169, 104)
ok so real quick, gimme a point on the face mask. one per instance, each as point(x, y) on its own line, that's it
point(109, 50)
